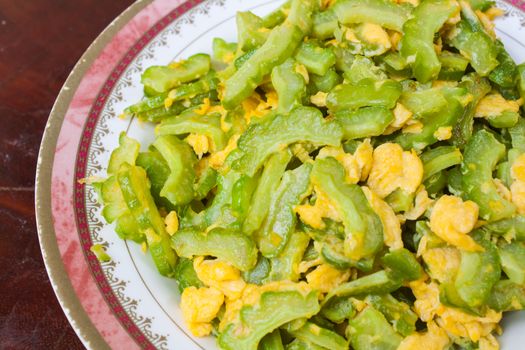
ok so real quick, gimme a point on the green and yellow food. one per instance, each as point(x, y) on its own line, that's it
point(349, 174)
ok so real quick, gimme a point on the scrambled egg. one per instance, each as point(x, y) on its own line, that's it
point(427, 302)
point(456, 16)
point(421, 204)
point(204, 107)
point(217, 159)
point(413, 127)
point(350, 35)
point(413, 2)
point(301, 69)
point(199, 307)
point(452, 219)
point(487, 23)
point(494, 12)
point(325, 278)
point(391, 224)
point(272, 99)
point(319, 99)
point(199, 143)
point(313, 215)
point(488, 343)
point(502, 189)
point(442, 263)
point(393, 168)
point(395, 38)
point(347, 160)
point(453, 321)
point(376, 35)
point(443, 133)
point(220, 275)
point(255, 106)
point(357, 166)
point(461, 324)
point(364, 157)
point(172, 222)
point(401, 116)
point(494, 104)
point(326, 3)
point(434, 339)
point(307, 265)
point(517, 188)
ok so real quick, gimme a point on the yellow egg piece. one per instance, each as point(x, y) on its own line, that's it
point(421, 203)
point(217, 159)
point(452, 219)
point(393, 168)
point(220, 275)
point(517, 171)
point(199, 143)
point(313, 215)
point(375, 34)
point(347, 160)
point(363, 155)
point(427, 303)
point(443, 133)
point(517, 190)
point(199, 307)
point(391, 224)
point(442, 263)
point(434, 338)
point(324, 278)
point(402, 116)
point(172, 222)
point(494, 104)
point(462, 324)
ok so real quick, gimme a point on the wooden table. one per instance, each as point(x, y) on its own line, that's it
point(40, 42)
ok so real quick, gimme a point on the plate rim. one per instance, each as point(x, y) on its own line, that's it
point(58, 277)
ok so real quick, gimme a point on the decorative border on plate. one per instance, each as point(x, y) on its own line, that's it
point(513, 8)
point(520, 5)
point(85, 203)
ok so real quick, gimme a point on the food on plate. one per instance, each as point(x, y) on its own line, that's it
point(349, 173)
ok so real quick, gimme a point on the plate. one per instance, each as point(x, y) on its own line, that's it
point(125, 303)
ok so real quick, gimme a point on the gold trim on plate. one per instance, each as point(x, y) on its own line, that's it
point(64, 291)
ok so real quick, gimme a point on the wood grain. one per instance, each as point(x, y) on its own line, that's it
point(40, 42)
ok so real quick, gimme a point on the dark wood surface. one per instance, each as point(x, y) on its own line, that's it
point(40, 42)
